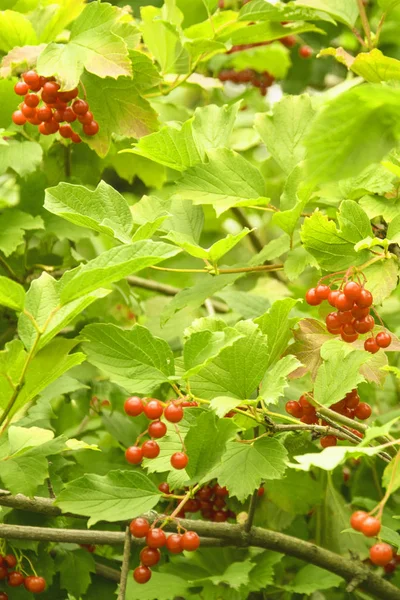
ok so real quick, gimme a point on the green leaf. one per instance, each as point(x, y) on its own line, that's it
point(205, 443)
point(12, 294)
point(277, 326)
point(309, 492)
point(163, 40)
point(133, 358)
point(234, 576)
point(125, 113)
point(213, 125)
point(13, 225)
point(376, 67)
point(284, 131)
point(12, 361)
point(118, 496)
point(81, 564)
point(276, 379)
point(247, 305)
point(15, 30)
point(376, 179)
point(387, 5)
point(391, 478)
point(369, 118)
point(267, 32)
point(274, 58)
point(244, 466)
point(222, 405)
point(375, 206)
point(103, 209)
point(393, 232)
point(295, 196)
point(203, 346)
point(262, 574)
point(21, 438)
point(227, 180)
point(345, 11)
point(215, 252)
point(312, 579)
point(382, 278)
point(145, 72)
point(259, 10)
point(92, 45)
point(113, 265)
point(48, 365)
point(221, 377)
point(41, 301)
point(334, 247)
point(329, 458)
point(162, 586)
point(338, 357)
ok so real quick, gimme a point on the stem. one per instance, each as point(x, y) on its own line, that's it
point(379, 28)
point(359, 37)
point(67, 161)
point(223, 271)
point(252, 511)
point(365, 22)
point(9, 270)
point(125, 565)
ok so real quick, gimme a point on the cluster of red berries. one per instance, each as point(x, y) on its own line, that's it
point(32, 583)
point(260, 80)
point(352, 317)
point(349, 407)
point(150, 555)
point(56, 108)
point(381, 554)
point(154, 409)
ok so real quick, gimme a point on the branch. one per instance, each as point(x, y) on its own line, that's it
point(125, 565)
point(243, 220)
point(168, 290)
point(107, 572)
point(252, 509)
point(227, 534)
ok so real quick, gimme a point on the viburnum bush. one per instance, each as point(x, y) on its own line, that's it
point(199, 300)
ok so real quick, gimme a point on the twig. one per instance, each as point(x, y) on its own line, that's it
point(125, 565)
point(365, 22)
point(252, 510)
point(253, 236)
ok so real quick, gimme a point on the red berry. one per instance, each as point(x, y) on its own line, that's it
point(381, 554)
point(333, 331)
point(157, 429)
point(150, 556)
point(294, 408)
point(21, 88)
point(190, 541)
point(174, 543)
point(344, 303)
point(179, 460)
point(311, 297)
point(383, 339)
point(164, 488)
point(3, 596)
point(322, 291)
point(66, 131)
point(51, 88)
point(32, 100)
point(328, 440)
point(363, 411)
point(352, 290)
point(86, 118)
point(133, 406)
point(134, 455)
point(44, 113)
point(75, 138)
point(150, 449)
point(357, 519)
point(3, 573)
point(352, 399)
point(18, 118)
point(205, 493)
point(35, 584)
point(349, 338)
point(68, 95)
point(305, 52)
point(10, 560)
point(370, 527)
point(389, 568)
point(42, 129)
point(220, 516)
point(174, 413)
point(139, 527)
point(310, 419)
point(345, 317)
point(142, 574)
point(220, 491)
point(156, 538)
point(15, 579)
point(31, 78)
point(80, 107)
point(260, 491)
point(307, 407)
point(365, 299)
point(365, 324)
point(91, 128)
point(332, 321)
point(332, 297)
point(69, 115)
point(51, 127)
point(289, 41)
point(359, 313)
point(28, 111)
point(371, 346)
point(153, 409)
point(348, 329)
point(58, 116)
